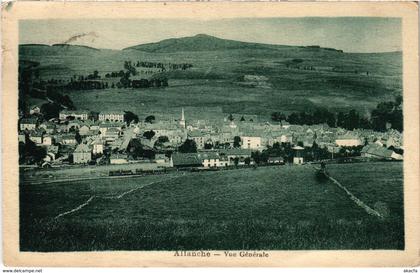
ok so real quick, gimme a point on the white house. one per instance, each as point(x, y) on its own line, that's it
point(98, 146)
point(348, 141)
point(28, 124)
point(111, 116)
point(77, 114)
point(298, 156)
point(251, 142)
point(82, 154)
point(68, 139)
point(35, 110)
point(210, 159)
point(375, 151)
point(118, 159)
point(285, 138)
point(47, 140)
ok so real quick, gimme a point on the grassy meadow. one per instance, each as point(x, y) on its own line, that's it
point(266, 208)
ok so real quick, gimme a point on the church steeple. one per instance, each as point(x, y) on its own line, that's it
point(182, 121)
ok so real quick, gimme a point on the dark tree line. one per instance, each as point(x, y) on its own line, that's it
point(30, 153)
point(385, 116)
point(86, 85)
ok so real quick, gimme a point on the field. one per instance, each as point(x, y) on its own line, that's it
point(210, 88)
point(265, 208)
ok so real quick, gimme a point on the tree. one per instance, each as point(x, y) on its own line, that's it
point(130, 117)
point(236, 161)
point(230, 117)
point(236, 142)
point(78, 137)
point(247, 161)
point(150, 119)
point(278, 116)
point(189, 146)
point(208, 146)
point(163, 139)
point(242, 118)
point(136, 150)
point(149, 134)
point(50, 110)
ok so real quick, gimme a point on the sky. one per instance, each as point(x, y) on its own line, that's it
point(351, 34)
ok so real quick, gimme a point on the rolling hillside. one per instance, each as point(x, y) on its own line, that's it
point(296, 77)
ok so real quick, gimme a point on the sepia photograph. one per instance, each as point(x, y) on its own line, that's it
point(272, 133)
point(227, 137)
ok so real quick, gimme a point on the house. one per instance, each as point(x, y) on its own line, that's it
point(76, 114)
point(348, 140)
point(84, 130)
point(200, 138)
point(103, 127)
point(82, 154)
point(379, 152)
point(97, 146)
point(47, 140)
point(22, 137)
point(185, 160)
point(28, 124)
point(285, 138)
point(251, 142)
point(210, 159)
point(118, 159)
point(111, 116)
point(74, 124)
point(35, 110)
point(111, 135)
point(231, 154)
point(52, 152)
point(160, 158)
point(275, 160)
point(68, 139)
point(298, 155)
point(36, 136)
point(49, 127)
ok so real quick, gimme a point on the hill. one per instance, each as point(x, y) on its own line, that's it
point(203, 42)
point(199, 42)
point(56, 49)
point(286, 78)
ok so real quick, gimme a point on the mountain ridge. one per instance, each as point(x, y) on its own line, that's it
point(204, 42)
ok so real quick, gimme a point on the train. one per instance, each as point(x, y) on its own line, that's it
point(137, 172)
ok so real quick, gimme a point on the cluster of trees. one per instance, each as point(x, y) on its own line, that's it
point(149, 134)
point(385, 116)
point(189, 146)
point(314, 153)
point(62, 100)
point(113, 74)
point(163, 67)
point(138, 151)
point(130, 117)
point(87, 85)
point(160, 81)
point(30, 153)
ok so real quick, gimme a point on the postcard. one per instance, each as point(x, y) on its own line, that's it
point(210, 134)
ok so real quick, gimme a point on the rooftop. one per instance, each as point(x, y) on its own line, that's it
point(82, 148)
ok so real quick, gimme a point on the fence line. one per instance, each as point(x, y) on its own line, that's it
point(356, 200)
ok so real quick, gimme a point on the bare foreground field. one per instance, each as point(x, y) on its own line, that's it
point(266, 208)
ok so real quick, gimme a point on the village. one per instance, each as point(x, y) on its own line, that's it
point(80, 137)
